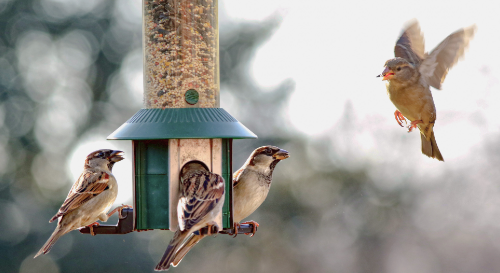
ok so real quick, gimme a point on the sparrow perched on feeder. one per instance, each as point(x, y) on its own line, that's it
point(201, 200)
point(251, 184)
point(90, 197)
point(411, 74)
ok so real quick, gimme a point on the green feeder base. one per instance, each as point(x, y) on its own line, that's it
point(150, 131)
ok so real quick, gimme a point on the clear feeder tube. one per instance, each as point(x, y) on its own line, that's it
point(181, 54)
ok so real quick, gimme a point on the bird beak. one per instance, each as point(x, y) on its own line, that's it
point(116, 156)
point(281, 154)
point(387, 74)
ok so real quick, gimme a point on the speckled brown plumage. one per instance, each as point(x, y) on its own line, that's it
point(90, 198)
point(201, 200)
point(251, 184)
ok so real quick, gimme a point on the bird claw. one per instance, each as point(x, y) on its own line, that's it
point(399, 118)
point(119, 209)
point(91, 227)
point(254, 227)
point(252, 223)
point(212, 229)
point(236, 226)
point(413, 125)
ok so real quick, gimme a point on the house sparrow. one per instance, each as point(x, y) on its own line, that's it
point(201, 200)
point(251, 185)
point(90, 197)
point(411, 74)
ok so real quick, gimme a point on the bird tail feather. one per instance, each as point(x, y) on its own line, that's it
point(51, 241)
point(169, 254)
point(189, 243)
point(430, 147)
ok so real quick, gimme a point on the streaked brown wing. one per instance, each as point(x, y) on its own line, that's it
point(200, 194)
point(410, 45)
point(88, 185)
point(436, 65)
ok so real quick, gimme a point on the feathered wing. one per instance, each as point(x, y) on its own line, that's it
point(200, 194)
point(88, 185)
point(436, 65)
point(194, 239)
point(410, 45)
point(201, 191)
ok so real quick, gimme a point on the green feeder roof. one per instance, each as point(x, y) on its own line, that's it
point(181, 123)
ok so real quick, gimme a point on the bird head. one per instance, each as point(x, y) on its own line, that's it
point(103, 158)
point(265, 158)
point(193, 165)
point(397, 69)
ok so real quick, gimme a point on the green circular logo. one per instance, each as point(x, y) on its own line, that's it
point(192, 96)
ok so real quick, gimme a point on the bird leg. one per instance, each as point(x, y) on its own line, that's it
point(254, 227)
point(91, 227)
point(119, 209)
point(399, 118)
point(210, 226)
point(236, 226)
point(209, 229)
point(413, 125)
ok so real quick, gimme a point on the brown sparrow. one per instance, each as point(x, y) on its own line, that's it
point(90, 197)
point(201, 200)
point(251, 185)
point(411, 74)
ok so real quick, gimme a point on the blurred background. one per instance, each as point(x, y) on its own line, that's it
point(356, 195)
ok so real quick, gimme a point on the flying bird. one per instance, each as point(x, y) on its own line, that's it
point(90, 198)
point(411, 74)
point(251, 184)
point(201, 200)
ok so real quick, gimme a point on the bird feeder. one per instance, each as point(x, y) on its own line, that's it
point(181, 120)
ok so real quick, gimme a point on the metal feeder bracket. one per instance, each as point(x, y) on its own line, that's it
point(126, 225)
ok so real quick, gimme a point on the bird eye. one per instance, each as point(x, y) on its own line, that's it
point(399, 68)
point(268, 151)
point(100, 154)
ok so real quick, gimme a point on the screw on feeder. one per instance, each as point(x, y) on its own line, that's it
point(192, 96)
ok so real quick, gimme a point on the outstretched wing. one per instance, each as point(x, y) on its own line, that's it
point(88, 185)
point(201, 191)
point(410, 45)
point(436, 65)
